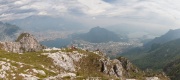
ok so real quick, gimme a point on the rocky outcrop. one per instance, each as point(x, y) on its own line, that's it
point(65, 60)
point(112, 67)
point(128, 66)
point(25, 43)
point(120, 67)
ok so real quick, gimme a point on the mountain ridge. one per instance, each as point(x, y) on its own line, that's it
point(170, 35)
point(163, 57)
point(98, 35)
point(161, 54)
point(45, 23)
point(8, 32)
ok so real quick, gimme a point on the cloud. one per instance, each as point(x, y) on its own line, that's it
point(95, 7)
point(157, 12)
point(108, 8)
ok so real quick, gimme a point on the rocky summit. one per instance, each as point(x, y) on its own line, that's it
point(24, 43)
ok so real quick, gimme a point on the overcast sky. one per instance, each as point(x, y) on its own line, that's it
point(150, 13)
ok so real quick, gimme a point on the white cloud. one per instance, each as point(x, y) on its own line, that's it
point(95, 7)
point(156, 12)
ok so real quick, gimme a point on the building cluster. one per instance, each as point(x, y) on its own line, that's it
point(51, 35)
point(110, 48)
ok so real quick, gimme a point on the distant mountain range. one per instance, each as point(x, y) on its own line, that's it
point(98, 35)
point(8, 32)
point(46, 23)
point(170, 35)
point(163, 54)
point(153, 44)
point(158, 57)
point(165, 57)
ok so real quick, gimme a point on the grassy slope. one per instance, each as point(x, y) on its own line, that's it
point(88, 66)
point(32, 61)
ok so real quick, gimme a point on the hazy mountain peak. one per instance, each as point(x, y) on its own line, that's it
point(98, 29)
point(8, 32)
point(170, 35)
point(46, 23)
point(99, 35)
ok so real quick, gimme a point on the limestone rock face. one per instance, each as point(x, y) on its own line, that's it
point(112, 67)
point(128, 66)
point(120, 67)
point(25, 43)
point(65, 60)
